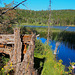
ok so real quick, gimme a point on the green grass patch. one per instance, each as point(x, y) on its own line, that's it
point(50, 66)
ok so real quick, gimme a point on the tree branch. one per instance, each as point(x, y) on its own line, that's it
point(13, 7)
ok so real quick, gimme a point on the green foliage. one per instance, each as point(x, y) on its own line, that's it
point(39, 47)
point(4, 60)
point(71, 68)
point(59, 17)
point(6, 68)
point(66, 37)
point(50, 67)
point(30, 17)
point(9, 30)
point(25, 30)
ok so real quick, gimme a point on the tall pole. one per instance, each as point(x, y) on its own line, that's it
point(49, 22)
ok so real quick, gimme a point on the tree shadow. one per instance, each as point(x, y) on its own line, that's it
point(37, 64)
point(3, 59)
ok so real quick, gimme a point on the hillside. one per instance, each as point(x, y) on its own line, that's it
point(58, 17)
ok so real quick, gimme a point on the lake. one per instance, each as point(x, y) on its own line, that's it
point(65, 53)
point(58, 27)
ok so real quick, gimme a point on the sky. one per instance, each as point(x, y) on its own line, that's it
point(43, 4)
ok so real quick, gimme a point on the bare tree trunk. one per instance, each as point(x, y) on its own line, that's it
point(49, 22)
point(25, 66)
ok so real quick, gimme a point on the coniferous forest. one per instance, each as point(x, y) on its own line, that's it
point(30, 17)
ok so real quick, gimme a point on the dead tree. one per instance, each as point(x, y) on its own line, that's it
point(23, 66)
point(49, 22)
point(12, 8)
point(11, 17)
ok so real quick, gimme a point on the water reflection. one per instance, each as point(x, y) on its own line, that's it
point(65, 53)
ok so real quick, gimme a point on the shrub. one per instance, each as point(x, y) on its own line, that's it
point(39, 47)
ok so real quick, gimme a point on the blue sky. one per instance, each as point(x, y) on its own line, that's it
point(44, 4)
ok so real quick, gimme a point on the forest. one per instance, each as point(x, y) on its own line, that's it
point(31, 17)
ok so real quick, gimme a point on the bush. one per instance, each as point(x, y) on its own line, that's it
point(39, 47)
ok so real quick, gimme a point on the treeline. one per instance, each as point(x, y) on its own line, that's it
point(58, 17)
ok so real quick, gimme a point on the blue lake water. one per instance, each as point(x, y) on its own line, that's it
point(57, 27)
point(65, 53)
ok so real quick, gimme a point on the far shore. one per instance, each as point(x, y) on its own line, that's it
point(43, 24)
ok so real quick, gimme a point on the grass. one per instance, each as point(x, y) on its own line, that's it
point(34, 24)
point(50, 66)
point(57, 35)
